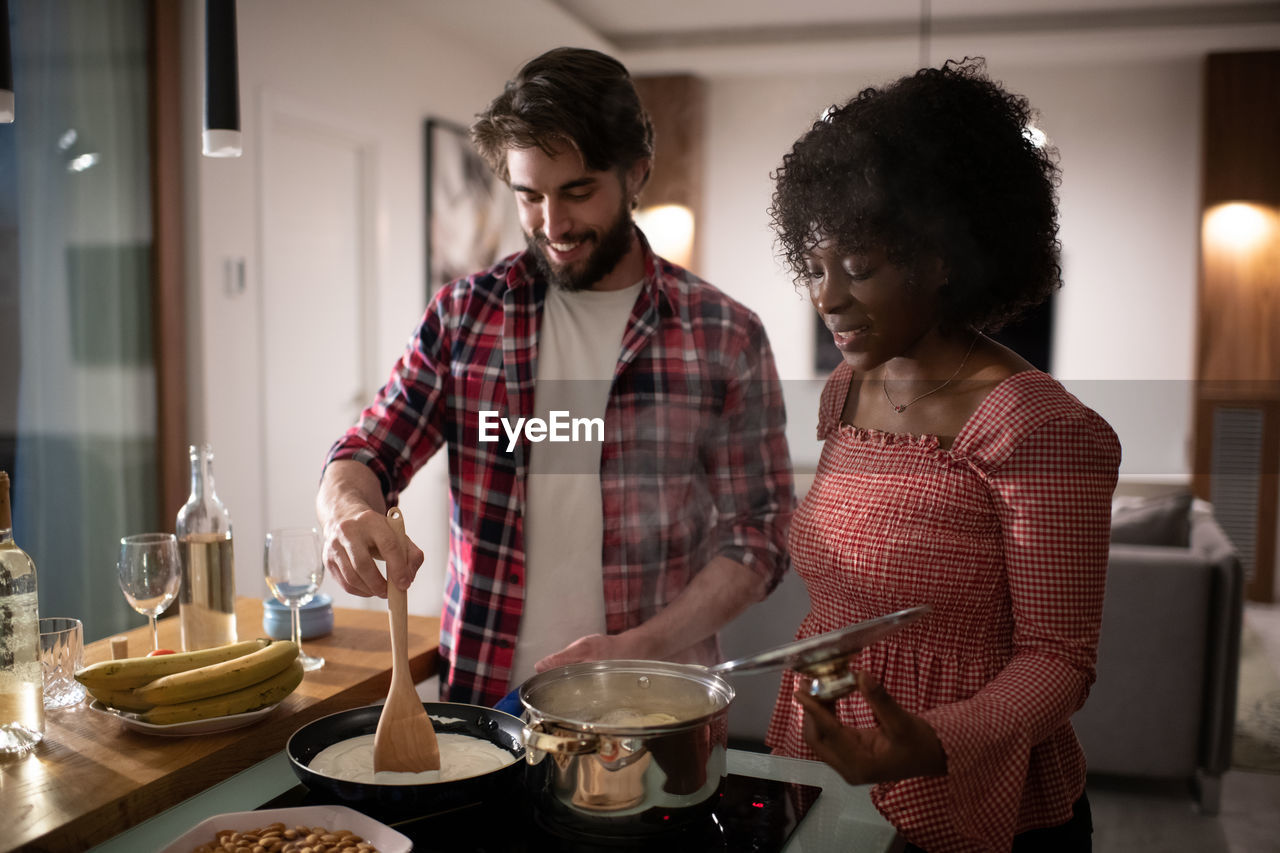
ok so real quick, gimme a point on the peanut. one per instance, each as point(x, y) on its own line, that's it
point(276, 838)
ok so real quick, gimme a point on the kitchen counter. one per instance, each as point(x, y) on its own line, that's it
point(92, 781)
point(91, 778)
point(841, 820)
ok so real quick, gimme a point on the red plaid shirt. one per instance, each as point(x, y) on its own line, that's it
point(694, 462)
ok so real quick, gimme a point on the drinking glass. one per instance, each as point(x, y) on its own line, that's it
point(61, 654)
point(150, 573)
point(294, 569)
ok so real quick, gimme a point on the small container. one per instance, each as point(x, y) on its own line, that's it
point(315, 618)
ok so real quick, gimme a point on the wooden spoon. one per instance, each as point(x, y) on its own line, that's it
point(404, 742)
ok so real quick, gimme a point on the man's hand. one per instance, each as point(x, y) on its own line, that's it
point(594, 647)
point(902, 746)
point(717, 594)
point(352, 545)
point(356, 532)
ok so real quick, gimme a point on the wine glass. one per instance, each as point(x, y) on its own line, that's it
point(294, 569)
point(150, 573)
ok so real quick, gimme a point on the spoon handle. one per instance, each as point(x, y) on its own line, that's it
point(398, 608)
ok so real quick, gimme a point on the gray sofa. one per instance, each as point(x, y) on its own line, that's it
point(1163, 706)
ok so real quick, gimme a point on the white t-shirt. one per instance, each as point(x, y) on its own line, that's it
point(578, 346)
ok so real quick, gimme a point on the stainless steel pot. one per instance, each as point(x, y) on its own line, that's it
point(625, 747)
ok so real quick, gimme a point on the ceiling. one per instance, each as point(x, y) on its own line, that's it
point(745, 37)
point(655, 19)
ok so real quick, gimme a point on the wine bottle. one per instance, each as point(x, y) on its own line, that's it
point(21, 674)
point(207, 600)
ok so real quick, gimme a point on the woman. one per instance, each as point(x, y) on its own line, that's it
point(919, 216)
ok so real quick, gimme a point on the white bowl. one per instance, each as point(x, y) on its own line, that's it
point(386, 839)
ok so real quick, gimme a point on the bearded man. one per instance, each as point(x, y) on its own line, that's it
point(637, 537)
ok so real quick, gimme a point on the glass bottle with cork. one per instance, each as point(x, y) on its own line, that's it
point(21, 675)
point(207, 600)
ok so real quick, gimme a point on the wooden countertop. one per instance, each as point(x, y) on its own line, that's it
point(91, 778)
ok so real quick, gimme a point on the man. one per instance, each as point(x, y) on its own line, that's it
point(666, 516)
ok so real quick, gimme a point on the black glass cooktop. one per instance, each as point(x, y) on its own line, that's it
point(752, 816)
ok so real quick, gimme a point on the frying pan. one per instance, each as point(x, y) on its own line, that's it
point(485, 723)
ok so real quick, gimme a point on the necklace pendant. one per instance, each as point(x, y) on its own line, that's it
point(900, 409)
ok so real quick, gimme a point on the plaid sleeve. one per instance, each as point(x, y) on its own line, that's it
point(1053, 496)
point(403, 426)
point(749, 466)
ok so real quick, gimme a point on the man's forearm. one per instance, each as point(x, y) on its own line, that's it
point(347, 488)
point(716, 595)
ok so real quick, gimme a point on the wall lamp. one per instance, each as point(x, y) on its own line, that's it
point(669, 229)
point(1242, 227)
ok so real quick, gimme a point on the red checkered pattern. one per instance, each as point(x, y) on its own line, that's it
point(694, 463)
point(1005, 534)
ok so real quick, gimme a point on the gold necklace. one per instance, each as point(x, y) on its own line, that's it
point(884, 383)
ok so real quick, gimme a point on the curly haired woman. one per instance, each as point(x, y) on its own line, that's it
point(919, 216)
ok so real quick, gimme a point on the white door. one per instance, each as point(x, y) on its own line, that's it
point(318, 272)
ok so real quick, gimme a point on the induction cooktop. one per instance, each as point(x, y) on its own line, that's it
point(751, 816)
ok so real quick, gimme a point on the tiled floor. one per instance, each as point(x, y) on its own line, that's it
point(1132, 817)
point(1128, 817)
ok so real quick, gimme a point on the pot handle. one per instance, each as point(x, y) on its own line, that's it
point(831, 689)
point(538, 743)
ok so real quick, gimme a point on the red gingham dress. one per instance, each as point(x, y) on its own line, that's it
point(1005, 534)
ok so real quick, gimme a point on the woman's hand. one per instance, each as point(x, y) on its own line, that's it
point(902, 746)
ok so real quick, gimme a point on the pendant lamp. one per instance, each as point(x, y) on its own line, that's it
point(6, 66)
point(221, 136)
point(926, 30)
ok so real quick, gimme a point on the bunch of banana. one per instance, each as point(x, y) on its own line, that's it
point(179, 688)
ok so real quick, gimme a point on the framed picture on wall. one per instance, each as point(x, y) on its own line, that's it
point(471, 214)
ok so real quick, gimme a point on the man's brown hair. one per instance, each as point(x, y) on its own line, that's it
point(572, 96)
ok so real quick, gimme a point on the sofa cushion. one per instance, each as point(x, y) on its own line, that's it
point(1164, 520)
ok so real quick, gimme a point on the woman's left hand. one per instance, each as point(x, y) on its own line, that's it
point(901, 746)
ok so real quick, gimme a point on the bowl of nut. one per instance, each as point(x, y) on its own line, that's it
point(336, 829)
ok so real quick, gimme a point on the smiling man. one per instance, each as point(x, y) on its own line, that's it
point(587, 212)
point(638, 543)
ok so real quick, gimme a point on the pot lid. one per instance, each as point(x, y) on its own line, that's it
point(824, 647)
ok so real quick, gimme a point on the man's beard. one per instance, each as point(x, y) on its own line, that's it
point(610, 248)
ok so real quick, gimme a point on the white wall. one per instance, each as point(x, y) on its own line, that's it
point(1128, 135)
point(383, 68)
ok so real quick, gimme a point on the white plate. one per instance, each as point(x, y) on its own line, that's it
point(386, 839)
point(210, 726)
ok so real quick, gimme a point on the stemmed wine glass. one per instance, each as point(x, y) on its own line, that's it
point(294, 569)
point(150, 573)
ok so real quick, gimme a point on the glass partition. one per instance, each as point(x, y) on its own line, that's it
point(78, 408)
